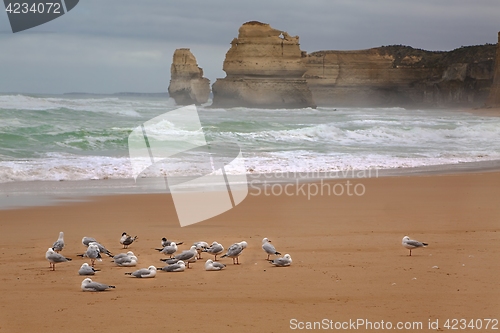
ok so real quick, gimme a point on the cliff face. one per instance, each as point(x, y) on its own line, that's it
point(264, 68)
point(401, 76)
point(187, 84)
point(494, 98)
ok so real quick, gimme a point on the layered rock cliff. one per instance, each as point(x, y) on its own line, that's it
point(401, 76)
point(264, 69)
point(494, 98)
point(187, 84)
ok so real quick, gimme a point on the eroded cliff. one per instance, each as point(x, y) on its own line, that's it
point(494, 98)
point(401, 76)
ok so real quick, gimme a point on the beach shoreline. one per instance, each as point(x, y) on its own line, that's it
point(16, 195)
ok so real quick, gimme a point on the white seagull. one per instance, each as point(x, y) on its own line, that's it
point(411, 244)
point(87, 240)
point(93, 253)
point(55, 258)
point(89, 285)
point(200, 247)
point(211, 265)
point(234, 251)
point(59, 243)
point(188, 255)
point(215, 249)
point(269, 248)
point(86, 270)
point(149, 272)
point(125, 259)
point(168, 249)
point(282, 262)
point(177, 267)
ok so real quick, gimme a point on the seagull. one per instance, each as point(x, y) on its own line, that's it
point(87, 240)
point(92, 252)
point(234, 251)
point(211, 265)
point(125, 259)
point(412, 244)
point(59, 243)
point(177, 267)
point(170, 261)
point(269, 248)
point(126, 240)
point(188, 255)
point(55, 258)
point(89, 285)
point(149, 272)
point(200, 246)
point(86, 270)
point(215, 249)
point(166, 242)
point(169, 249)
point(282, 262)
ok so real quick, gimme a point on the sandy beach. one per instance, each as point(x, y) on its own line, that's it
point(348, 262)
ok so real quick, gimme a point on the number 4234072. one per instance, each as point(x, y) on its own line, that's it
point(35, 8)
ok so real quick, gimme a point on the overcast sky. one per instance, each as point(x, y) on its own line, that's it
point(107, 46)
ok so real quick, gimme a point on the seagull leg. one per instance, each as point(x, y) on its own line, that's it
point(410, 252)
point(268, 257)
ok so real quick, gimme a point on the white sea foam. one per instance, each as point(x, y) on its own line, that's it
point(79, 145)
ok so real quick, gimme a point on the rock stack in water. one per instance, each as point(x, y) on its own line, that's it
point(187, 84)
point(494, 97)
point(264, 68)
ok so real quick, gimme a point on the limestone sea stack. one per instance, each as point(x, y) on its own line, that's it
point(494, 97)
point(264, 69)
point(187, 84)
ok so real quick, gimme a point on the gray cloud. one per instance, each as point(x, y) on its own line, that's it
point(127, 45)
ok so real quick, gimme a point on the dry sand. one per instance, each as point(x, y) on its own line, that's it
point(348, 262)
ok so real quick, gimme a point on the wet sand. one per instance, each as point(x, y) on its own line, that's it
point(348, 262)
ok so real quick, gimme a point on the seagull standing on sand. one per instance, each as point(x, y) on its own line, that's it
point(89, 285)
point(412, 244)
point(282, 262)
point(126, 240)
point(59, 243)
point(188, 255)
point(177, 267)
point(215, 249)
point(168, 249)
point(55, 258)
point(211, 265)
point(149, 272)
point(200, 246)
point(86, 270)
point(234, 251)
point(93, 253)
point(269, 248)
